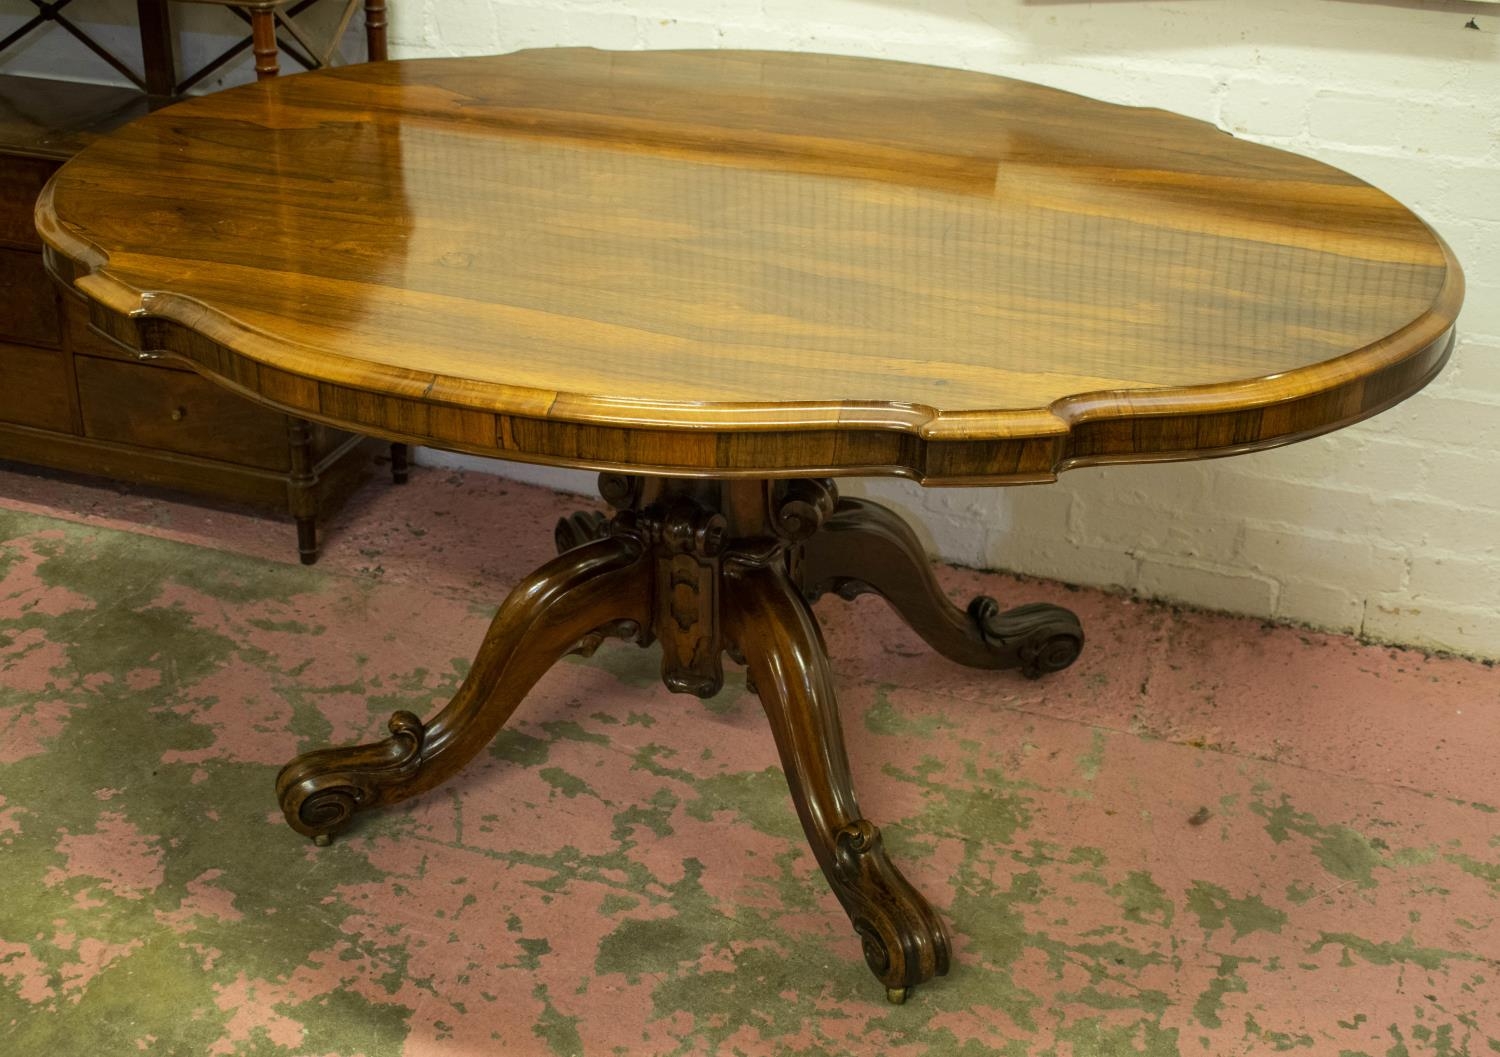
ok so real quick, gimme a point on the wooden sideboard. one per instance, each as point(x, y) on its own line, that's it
point(71, 399)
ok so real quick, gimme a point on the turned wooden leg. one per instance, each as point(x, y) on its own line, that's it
point(400, 469)
point(307, 540)
point(375, 31)
point(263, 43)
point(302, 488)
point(572, 602)
point(865, 547)
point(771, 626)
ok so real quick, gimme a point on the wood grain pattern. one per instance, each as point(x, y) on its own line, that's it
point(86, 341)
point(865, 548)
point(21, 180)
point(904, 941)
point(597, 590)
point(335, 476)
point(176, 411)
point(700, 568)
point(33, 312)
point(79, 402)
point(752, 264)
point(34, 389)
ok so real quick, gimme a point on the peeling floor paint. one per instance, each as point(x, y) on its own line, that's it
point(1287, 842)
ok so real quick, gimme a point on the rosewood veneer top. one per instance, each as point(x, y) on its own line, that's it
point(751, 264)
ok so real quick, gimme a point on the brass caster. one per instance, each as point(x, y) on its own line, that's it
point(323, 840)
point(896, 996)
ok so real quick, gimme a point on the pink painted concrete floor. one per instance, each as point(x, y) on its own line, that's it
point(1208, 836)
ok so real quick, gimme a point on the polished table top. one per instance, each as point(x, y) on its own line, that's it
point(740, 263)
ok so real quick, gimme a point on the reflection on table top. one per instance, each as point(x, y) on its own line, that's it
point(733, 241)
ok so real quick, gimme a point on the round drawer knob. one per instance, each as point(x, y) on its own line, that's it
point(178, 414)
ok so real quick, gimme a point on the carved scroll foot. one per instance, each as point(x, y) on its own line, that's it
point(905, 942)
point(320, 791)
point(1039, 636)
point(866, 548)
point(599, 589)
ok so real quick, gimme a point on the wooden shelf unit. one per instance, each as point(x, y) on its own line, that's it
point(72, 399)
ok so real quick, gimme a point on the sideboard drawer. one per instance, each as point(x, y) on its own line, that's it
point(34, 388)
point(28, 300)
point(21, 180)
point(139, 404)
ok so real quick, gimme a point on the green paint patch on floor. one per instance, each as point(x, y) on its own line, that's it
point(1404, 951)
point(1344, 852)
point(1143, 900)
point(1215, 908)
point(620, 879)
point(110, 840)
point(1208, 1007)
point(758, 797)
point(884, 718)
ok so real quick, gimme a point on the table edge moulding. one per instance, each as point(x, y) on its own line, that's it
point(709, 439)
point(726, 520)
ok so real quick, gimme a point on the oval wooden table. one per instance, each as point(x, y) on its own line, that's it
point(724, 279)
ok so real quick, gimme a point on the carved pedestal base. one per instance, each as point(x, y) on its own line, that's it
point(704, 569)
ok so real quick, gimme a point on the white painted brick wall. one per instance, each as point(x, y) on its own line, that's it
point(1392, 527)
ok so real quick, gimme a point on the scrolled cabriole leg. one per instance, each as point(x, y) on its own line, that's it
point(866, 548)
point(579, 528)
point(1038, 636)
point(905, 942)
point(322, 790)
point(620, 491)
point(600, 589)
